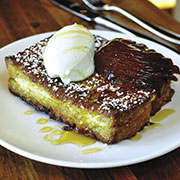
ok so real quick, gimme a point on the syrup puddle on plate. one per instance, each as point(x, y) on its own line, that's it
point(93, 150)
point(147, 128)
point(46, 129)
point(74, 138)
point(57, 136)
point(29, 112)
point(159, 116)
point(42, 121)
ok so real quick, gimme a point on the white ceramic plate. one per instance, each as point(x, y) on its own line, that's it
point(20, 133)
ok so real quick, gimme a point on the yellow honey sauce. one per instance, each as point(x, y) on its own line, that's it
point(42, 121)
point(46, 129)
point(74, 138)
point(56, 136)
point(57, 132)
point(136, 137)
point(28, 112)
point(147, 128)
point(51, 136)
point(159, 116)
point(93, 150)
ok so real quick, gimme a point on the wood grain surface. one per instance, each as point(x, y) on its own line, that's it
point(23, 18)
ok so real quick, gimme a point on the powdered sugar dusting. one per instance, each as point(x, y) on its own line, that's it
point(94, 93)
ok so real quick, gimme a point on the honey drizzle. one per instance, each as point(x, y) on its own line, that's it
point(162, 115)
point(65, 137)
point(74, 138)
point(28, 112)
point(57, 136)
point(57, 132)
point(42, 121)
point(46, 129)
point(92, 150)
point(136, 137)
point(159, 116)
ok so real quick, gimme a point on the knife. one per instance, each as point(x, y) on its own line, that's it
point(99, 6)
point(90, 16)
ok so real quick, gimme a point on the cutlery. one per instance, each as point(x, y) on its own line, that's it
point(99, 5)
point(90, 16)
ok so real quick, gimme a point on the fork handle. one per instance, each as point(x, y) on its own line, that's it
point(143, 24)
point(117, 27)
point(112, 25)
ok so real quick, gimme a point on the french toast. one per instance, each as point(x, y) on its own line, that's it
point(99, 106)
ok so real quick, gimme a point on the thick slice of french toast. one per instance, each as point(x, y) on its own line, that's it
point(95, 107)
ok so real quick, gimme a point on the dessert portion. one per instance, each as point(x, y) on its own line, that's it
point(108, 105)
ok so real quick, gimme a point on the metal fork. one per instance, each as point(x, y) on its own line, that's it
point(99, 5)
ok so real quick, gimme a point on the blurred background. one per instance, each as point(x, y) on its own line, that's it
point(171, 6)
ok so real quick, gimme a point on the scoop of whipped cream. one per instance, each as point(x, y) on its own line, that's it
point(69, 54)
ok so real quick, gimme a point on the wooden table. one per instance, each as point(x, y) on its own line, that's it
point(19, 19)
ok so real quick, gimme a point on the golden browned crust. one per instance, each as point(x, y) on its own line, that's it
point(111, 112)
point(94, 93)
point(159, 101)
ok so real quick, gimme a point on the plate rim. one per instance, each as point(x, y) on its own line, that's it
point(77, 164)
point(89, 165)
